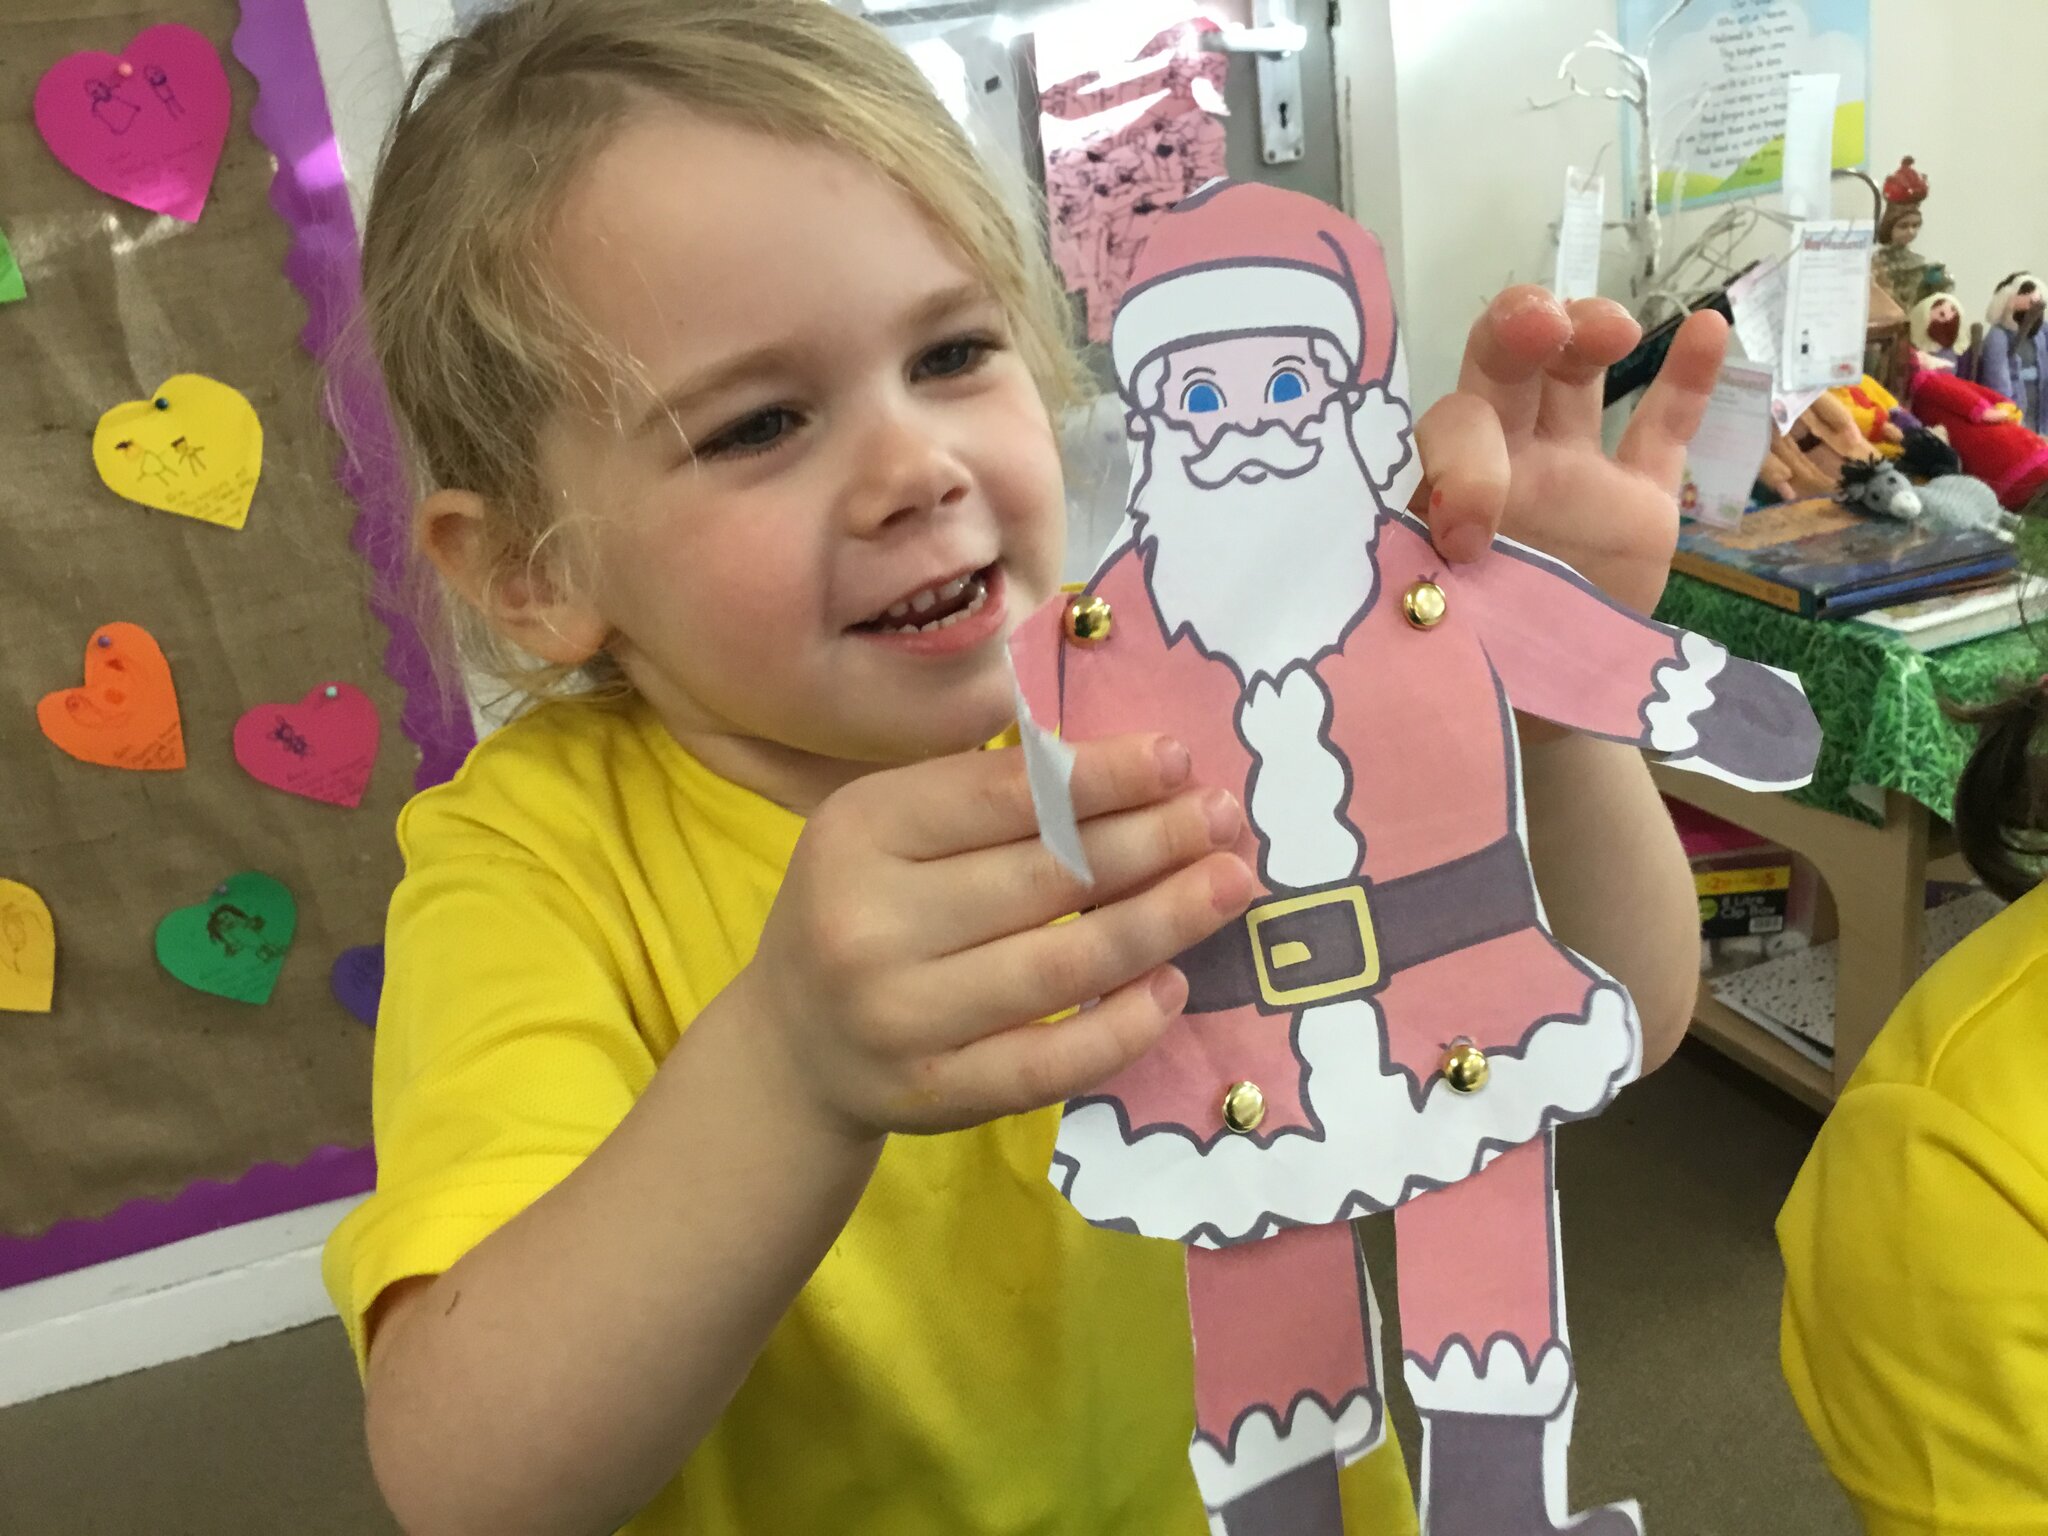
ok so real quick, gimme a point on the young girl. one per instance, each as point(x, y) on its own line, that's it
point(736, 383)
point(1916, 1238)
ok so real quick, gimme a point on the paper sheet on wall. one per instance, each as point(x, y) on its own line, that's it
point(1123, 144)
point(1721, 67)
point(1809, 144)
point(1578, 236)
point(1734, 435)
point(1827, 305)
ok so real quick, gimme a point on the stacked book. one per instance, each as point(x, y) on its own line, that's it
point(1929, 586)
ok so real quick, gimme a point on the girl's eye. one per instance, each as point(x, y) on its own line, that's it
point(950, 359)
point(751, 434)
point(1284, 386)
point(1200, 398)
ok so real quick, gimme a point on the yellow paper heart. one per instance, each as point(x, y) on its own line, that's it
point(194, 448)
point(28, 951)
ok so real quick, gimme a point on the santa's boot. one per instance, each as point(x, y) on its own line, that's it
point(1484, 1475)
point(1295, 1503)
point(1286, 1334)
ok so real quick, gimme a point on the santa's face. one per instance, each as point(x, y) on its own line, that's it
point(1259, 531)
point(1246, 382)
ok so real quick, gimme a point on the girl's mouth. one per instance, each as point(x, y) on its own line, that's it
point(954, 615)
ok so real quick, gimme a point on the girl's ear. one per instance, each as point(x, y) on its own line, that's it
point(537, 614)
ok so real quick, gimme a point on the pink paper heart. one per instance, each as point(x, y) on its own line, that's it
point(322, 747)
point(146, 127)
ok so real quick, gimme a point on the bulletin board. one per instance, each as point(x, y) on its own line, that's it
point(139, 1110)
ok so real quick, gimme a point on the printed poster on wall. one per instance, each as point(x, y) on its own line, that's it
point(1719, 69)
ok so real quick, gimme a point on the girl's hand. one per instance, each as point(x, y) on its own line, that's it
point(915, 946)
point(1517, 450)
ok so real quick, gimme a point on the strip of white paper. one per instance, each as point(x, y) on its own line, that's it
point(1810, 144)
point(1049, 765)
point(1758, 300)
point(1827, 305)
point(1728, 450)
point(1578, 236)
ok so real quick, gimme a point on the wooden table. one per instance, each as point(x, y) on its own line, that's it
point(1873, 903)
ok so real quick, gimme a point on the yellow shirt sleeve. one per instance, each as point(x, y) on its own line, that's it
point(495, 1076)
point(1915, 1331)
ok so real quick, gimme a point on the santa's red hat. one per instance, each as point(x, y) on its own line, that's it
point(1241, 256)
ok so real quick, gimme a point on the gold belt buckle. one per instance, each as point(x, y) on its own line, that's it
point(1283, 957)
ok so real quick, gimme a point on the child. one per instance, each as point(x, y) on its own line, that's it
point(1916, 1238)
point(735, 381)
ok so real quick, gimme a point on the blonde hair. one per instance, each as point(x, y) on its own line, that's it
point(476, 346)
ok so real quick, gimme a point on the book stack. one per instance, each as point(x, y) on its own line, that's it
point(1820, 560)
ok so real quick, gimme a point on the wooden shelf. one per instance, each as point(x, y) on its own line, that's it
point(1756, 1048)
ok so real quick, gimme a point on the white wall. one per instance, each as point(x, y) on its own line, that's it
point(1481, 176)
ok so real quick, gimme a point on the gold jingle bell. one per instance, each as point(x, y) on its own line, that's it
point(1088, 619)
point(1244, 1107)
point(1466, 1068)
point(1425, 605)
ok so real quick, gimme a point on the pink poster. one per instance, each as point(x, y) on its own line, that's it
point(1121, 152)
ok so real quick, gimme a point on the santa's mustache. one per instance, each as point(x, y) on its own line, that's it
point(1270, 452)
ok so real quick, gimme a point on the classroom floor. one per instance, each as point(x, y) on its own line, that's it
point(1668, 1204)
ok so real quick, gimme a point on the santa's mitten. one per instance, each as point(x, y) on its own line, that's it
point(1734, 720)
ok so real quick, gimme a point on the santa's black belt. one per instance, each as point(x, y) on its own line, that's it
point(1332, 942)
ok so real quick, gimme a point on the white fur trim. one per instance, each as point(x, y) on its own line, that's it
point(1299, 788)
point(1383, 432)
point(1376, 1150)
point(1503, 1385)
point(1182, 307)
point(1266, 1449)
point(1684, 688)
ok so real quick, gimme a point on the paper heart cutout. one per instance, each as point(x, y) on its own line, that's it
point(126, 714)
point(358, 981)
point(322, 747)
point(194, 448)
point(28, 950)
point(146, 127)
point(233, 943)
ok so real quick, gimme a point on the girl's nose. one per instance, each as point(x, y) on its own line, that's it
point(907, 472)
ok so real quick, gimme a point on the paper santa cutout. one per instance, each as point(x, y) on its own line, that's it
point(1392, 1026)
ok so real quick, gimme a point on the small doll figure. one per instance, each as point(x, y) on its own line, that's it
point(1936, 324)
point(2015, 349)
point(1899, 269)
point(1984, 429)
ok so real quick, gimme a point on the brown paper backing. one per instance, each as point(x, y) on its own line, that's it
point(136, 1085)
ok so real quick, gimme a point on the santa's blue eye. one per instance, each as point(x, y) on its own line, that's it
point(1200, 398)
point(1284, 386)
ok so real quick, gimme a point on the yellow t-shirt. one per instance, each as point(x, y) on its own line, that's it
point(1916, 1252)
point(971, 1356)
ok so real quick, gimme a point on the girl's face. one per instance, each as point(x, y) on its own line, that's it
point(808, 554)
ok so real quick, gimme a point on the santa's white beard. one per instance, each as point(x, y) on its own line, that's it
point(1264, 571)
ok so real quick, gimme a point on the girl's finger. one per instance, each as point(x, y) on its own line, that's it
point(948, 805)
point(991, 893)
point(1034, 1065)
point(1046, 971)
point(1466, 473)
point(1670, 414)
point(1522, 330)
point(1603, 333)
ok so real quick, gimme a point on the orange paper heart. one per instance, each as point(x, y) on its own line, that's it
point(126, 715)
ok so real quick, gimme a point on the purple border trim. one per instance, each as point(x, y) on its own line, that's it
point(275, 44)
point(205, 1205)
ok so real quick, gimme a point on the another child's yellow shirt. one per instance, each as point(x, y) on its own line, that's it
point(1916, 1252)
point(971, 1356)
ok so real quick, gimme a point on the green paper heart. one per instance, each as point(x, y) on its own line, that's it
point(233, 943)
